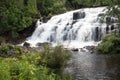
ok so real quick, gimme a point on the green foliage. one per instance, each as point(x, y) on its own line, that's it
point(110, 44)
point(14, 69)
point(56, 58)
point(114, 9)
point(47, 7)
point(2, 40)
point(8, 50)
point(33, 65)
point(16, 17)
point(75, 4)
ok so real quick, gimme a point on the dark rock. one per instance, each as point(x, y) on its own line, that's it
point(101, 14)
point(26, 44)
point(74, 21)
point(75, 49)
point(108, 19)
point(65, 29)
point(65, 37)
point(29, 30)
point(97, 34)
point(107, 30)
point(78, 15)
point(45, 20)
point(67, 24)
point(43, 44)
point(92, 49)
point(112, 27)
point(52, 37)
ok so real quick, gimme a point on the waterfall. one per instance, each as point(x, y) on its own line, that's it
point(74, 29)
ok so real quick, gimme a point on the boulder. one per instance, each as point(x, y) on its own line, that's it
point(45, 20)
point(107, 30)
point(97, 34)
point(26, 44)
point(112, 27)
point(78, 15)
point(75, 49)
point(90, 48)
point(101, 14)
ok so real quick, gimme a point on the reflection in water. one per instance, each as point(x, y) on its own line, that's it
point(86, 66)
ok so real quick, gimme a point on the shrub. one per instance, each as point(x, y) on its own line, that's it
point(2, 40)
point(55, 58)
point(33, 66)
point(9, 50)
point(110, 44)
point(15, 16)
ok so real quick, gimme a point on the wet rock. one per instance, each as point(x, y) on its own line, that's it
point(101, 14)
point(65, 37)
point(74, 21)
point(78, 15)
point(112, 27)
point(82, 49)
point(43, 44)
point(26, 44)
point(75, 49)
point(97, 34)
point(91, 49)
point(45, 20)
point(107, 30)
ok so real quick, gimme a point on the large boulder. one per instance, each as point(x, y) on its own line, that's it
point(78, 15)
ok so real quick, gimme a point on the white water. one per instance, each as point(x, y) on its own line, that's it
point(73, 33)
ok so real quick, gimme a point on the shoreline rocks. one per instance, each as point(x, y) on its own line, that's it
point(91, 49)
point(26, 44)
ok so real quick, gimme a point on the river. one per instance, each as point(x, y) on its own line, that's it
point(87, 66)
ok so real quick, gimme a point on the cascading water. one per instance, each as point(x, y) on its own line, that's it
point(73, 29)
